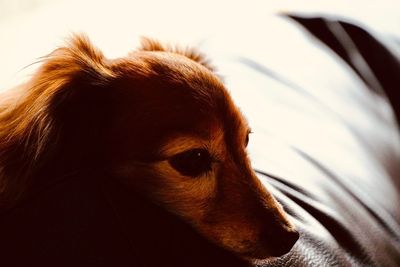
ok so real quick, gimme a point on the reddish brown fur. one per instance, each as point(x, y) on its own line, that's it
point(143, 109)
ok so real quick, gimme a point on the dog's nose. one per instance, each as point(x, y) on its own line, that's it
point(283, 243)
point(275, 244)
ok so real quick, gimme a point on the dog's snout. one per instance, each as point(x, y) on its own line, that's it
point(274, 244)
point(283, 243)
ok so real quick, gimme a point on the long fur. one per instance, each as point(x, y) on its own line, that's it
point(26, 129)
point(130, 116)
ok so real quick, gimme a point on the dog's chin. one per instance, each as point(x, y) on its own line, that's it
point(263, 252)
point(258, 253)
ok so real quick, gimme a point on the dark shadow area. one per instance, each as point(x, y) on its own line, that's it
point(383, 64)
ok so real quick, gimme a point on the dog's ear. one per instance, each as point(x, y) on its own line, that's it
point(64, 93)
point(69, 81)
point(78, 79)
point(149, 44)
point(73, 70)
point(71, 86)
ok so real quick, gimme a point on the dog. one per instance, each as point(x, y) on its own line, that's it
point(158, 120)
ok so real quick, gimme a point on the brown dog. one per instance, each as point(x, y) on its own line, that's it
point(160, 121)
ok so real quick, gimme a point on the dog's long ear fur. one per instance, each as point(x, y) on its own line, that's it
point(149, 44)
point(28, 127)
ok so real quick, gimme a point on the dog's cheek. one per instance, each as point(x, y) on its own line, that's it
point(235, 237)
point(187, 197)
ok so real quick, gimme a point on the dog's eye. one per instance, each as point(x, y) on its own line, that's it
point(192, 163)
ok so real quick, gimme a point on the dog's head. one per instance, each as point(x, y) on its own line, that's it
point(161, 121)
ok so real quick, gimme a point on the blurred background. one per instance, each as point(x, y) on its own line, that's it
point(30, 29)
